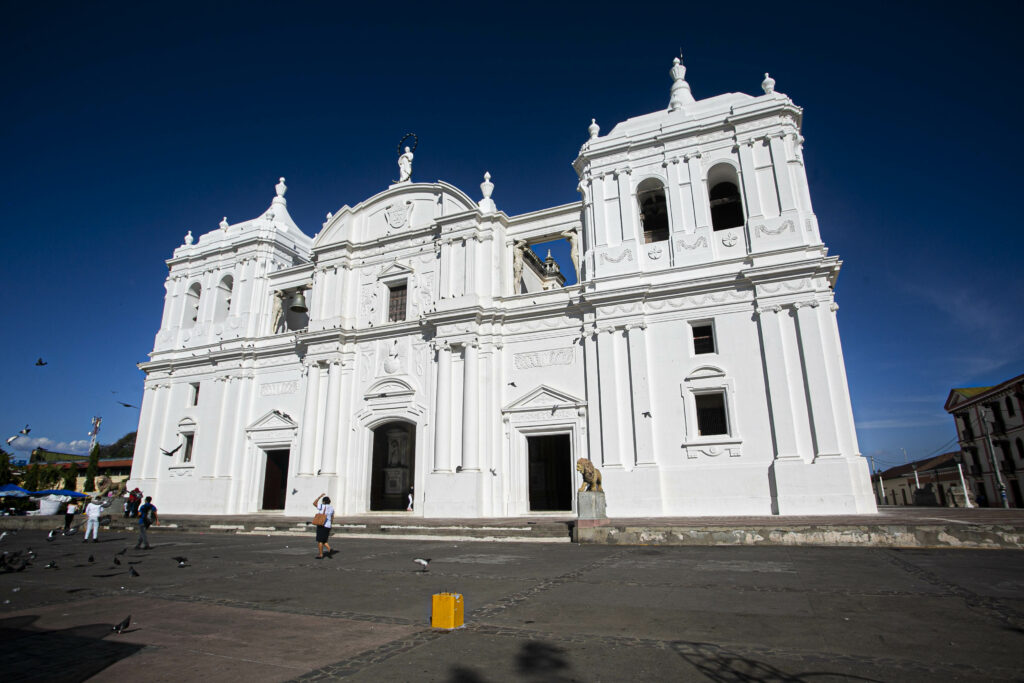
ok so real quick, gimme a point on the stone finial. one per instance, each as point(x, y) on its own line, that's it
point(330, 215)
point(680, 94)
point(768, 84)
point(487, 204)
point(593, 129)
point(280, 188)
point(224, 223)
point(188, 238)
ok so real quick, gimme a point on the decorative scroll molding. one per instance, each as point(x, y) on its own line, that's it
point(627, 254)
point(279, 388)
point(700, 242)
point(712, 452)
point(783, 227)
point(541, 359)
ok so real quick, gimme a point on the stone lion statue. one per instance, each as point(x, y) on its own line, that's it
point(591, 475)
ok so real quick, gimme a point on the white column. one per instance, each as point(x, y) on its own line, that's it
point(144, 449)
point(610, 427)
point(329, 453)
point(602, 231)
point(627, 206)
point(224, 426)
point(823, 419)
point(640, 390)
point(780, 165)
point(674, 196)
point(442, 411)
point(701, 208)
point(239, 445)
point(471, 248)
point(593, 394)
point(470, 409)
point(748, 175)
point(159, 422)
point(770, 320)
point(339, 465)
point(839, 384)
point(310, 415)
point(445, 266)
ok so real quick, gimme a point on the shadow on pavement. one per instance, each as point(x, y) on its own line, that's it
point(536, 660)
point(73, 654)
point(718, 664)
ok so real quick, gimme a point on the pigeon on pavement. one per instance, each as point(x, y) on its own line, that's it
point(119, 628)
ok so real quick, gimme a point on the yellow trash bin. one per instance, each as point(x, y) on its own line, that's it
point(447, 610)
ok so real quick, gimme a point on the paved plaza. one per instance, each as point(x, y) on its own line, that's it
point(261, 608)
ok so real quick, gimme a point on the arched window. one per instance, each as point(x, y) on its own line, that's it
point(222, 309)
point(1009, 407)
point(724, 196)
point(191, 312)
point(1020, 449)
point(650, 195)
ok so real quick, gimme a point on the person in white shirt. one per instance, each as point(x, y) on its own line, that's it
point(323, 531)
point(92, 520)
point(69, 516)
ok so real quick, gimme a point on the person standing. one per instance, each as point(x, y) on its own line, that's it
point(147, 516)
point(69, 516)
point(92, 520)
point(323, 531)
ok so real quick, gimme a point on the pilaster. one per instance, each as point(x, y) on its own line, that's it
point(640, 392)
point(770, 319)
point(823, 418)
point(310, 416)
point(442, 410)
point(471, 409)
point(329, 452)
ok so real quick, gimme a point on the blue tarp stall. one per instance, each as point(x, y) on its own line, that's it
point(57, 492)
point(12, 491)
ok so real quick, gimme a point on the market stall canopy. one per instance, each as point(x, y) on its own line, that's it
point(13, 491)
point(58, 492)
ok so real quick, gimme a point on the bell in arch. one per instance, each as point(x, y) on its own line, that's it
point(298, 303)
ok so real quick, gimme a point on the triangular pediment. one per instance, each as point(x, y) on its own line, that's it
point(395, 269)
point(544, 397)
point(275, 419)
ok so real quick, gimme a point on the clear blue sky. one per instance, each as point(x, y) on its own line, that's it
point(127, 124)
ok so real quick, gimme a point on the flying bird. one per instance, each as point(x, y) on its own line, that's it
point(11, 439)
point(119, 628)
point(41, 362)
point(117, 561)
point(51, 565)
point(180, 560)
point(26, 430)
point(425, 563)
point(3, 536)
point(182, 565)
point(52, 535)
point(646, 413)
point(511, 384)
point(171, 452)
point(132, 572)
point(128, 405)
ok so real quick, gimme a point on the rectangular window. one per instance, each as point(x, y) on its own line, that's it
point(703, 338)
point(711, 418)
point(193, 398)
point(396, 303)
point(186, 455)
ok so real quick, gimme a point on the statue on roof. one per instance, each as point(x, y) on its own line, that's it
point(405, 158)
point(405, 167)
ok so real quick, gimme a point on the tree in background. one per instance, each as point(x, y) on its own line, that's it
point(6, 473)
point(70, 477)
point(94, 466)
point(32, 477)
point(49, 476)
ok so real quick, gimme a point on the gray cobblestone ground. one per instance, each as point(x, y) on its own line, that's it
point(263, 609)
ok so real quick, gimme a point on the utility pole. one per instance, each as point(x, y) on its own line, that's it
point(881, 486)
point(989, 420)
point(963, 485)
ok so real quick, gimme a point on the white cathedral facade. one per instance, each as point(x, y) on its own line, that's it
point(418, 345)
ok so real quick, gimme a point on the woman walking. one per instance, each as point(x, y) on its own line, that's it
point(323, 527)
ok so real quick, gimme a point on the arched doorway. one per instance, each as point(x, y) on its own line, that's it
point(394, 465)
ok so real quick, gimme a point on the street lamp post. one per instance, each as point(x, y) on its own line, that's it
point(963, 484)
